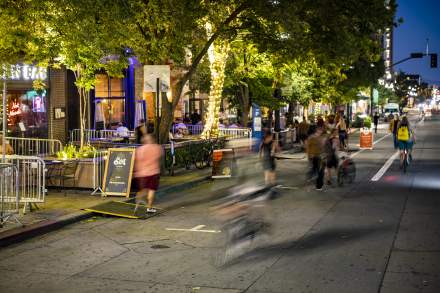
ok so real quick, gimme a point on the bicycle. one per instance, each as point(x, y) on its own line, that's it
point(405, 162)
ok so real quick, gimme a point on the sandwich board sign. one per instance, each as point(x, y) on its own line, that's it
point(118, 171)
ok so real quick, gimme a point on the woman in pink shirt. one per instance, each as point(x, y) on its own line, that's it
point(147, 171)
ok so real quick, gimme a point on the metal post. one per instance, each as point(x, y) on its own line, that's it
point(157, 108)
point(4, 124)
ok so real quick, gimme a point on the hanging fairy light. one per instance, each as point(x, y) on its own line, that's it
point(217, 55)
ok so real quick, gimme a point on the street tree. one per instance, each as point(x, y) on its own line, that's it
point(77, 35)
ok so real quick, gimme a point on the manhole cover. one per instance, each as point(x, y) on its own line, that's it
point(159, 246)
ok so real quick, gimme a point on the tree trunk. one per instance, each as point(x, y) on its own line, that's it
point(244, 101)
point(167, 116)
point(290, 114)
point(277, 126)
point(177, 93)
point(217, 57)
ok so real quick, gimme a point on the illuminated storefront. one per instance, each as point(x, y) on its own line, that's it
point(113, 100)
point(26, 107)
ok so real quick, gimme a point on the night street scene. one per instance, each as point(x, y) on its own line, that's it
point(220, 146)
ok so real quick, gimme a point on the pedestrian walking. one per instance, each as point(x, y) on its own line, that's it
point(341, 127)
point(268, 148)
point(315, 144)
point(375, 121)
point(394, 125)
point(331, 148)
point(147, 171)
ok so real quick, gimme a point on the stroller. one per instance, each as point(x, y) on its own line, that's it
point(346, 171)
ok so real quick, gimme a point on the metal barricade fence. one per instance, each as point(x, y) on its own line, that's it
point(236, 132)
point(34, 146)
point(92, 134)
point(99, 158)
point(89, 135)
point(32, 178)
point(9, 196)
point(286, 138)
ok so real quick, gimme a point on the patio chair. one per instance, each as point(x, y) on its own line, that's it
point(67, 172)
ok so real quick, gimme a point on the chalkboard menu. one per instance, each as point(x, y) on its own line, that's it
point(118, 171)
point(222, 163)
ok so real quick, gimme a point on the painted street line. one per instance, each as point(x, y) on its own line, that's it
point(385, 167)
point(374, 142)
point(286, 187)
point(197, 228)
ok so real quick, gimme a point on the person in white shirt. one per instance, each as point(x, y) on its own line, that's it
point(123, 131)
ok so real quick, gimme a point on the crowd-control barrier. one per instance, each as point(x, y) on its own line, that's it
point(9, 196)
point(34, 146)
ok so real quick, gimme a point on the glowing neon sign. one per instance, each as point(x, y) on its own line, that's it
point(23, 72)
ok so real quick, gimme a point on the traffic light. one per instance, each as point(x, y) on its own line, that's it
point(433, 60)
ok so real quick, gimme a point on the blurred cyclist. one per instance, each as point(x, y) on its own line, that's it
point(406, 139)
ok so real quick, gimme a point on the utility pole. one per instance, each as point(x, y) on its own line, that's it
point(4, 123)
point(157, 108)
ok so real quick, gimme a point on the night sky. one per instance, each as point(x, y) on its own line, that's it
point(421, 21)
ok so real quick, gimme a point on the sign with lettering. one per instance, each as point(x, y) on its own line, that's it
point(118, 171)
point(23, 72)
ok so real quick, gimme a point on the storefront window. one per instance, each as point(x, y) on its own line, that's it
point(109, 112)
point(109, 102)
point(26, 113)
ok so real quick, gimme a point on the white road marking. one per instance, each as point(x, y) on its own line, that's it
point(385, 167)
point(197, 228)
point(286, 187)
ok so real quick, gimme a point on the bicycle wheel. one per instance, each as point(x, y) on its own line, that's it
point(405, 163)
point(341, 176)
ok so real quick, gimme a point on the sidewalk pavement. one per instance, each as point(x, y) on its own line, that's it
point(60, 210)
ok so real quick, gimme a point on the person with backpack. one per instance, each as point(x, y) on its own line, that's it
point(405, 137)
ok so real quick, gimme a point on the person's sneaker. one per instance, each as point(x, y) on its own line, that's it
point(151, 210)
point(319, 189)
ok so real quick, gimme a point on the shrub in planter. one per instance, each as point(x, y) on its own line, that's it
point(367, 122)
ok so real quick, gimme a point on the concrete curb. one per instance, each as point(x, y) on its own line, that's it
point(20, 234)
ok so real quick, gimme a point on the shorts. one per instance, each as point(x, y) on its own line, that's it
point(148, 182)
point(332, 162)
point(405, 145)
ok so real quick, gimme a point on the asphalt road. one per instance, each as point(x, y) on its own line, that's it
point(371, 236)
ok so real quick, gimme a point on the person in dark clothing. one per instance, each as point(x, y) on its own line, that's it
point(375, 121)
point(315, 149)
point(186, 119)
point(268, 148)
point(330, 148)
point(140, 131)
point(393, 129)
point(195, 117)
